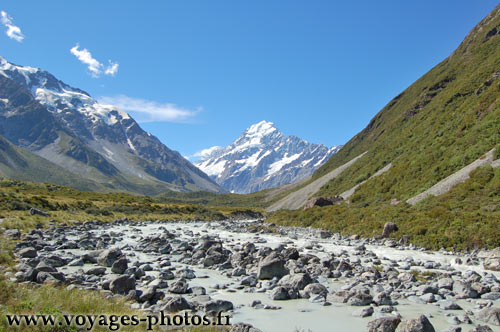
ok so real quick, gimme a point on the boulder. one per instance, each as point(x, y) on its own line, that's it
point(481, 328)
point(96, 271)
point(120, 265)
point(34, 211)
point(271, 267)
point(491, 259)
point(177, 304)
point(420, 324)
point(298, 280)
point(363, 312)
point(464, 290)
point(322, 201)
point(179, 287)
point(389, 228)
point(13, 233)
point(490, 315)
point(28, 252)
point(280, 293)
point(384, 324)
point(218, 305)
point(122, 284)
point(109, 256)
point(316, 289)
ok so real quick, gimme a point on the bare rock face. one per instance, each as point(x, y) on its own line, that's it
point(322, 201)
point(389, 228)
point(420, 324)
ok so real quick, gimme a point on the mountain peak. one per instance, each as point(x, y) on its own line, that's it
point(262, 157)
point(262, 128)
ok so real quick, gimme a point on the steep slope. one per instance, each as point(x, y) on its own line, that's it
point(261, 158)
point(433, 134)
point(20, 164)
point(441, 123)
point(99, 142)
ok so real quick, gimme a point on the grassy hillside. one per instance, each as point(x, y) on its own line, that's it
point(66, 205)
point(20, 164)
point(441, 123)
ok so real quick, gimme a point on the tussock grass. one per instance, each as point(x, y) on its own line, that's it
point(54, 300)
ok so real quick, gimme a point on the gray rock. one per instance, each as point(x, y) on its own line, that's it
point(420, 324)
point(316, 289)
point(54, 261)
point(491, 259)
point(120, 265)
point(243, 327)
point(389, 228)
point(464, 290)
point(491, 296)
point(363, 312)
point(481, 328)
point(383, 298)
point(360, 299)
point(179, 287)
point(177, 304)
point(449, 305)
point(384, 324)
point(49, 277)
point(271, 267)
point(298, 281)
point(122, 284)
point(280, 293)
point(13, 233)
point(97, 271)
point(108, 256)
point(34, 211)
point(28, 252)
point(218, 305)
point(490, 315)
point(446, 283)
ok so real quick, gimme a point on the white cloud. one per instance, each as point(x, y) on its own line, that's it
point(13, 32)
point(112, 68)
point(203, 154)
point(96, 68)
point(149, 111)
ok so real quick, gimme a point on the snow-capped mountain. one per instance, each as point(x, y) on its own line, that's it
point(66, 126)
point(262, 157)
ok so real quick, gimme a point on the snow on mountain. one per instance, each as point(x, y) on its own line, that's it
point(83, 135)
point(262, 157)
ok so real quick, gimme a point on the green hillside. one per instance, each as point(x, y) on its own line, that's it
point(441, 123)
point(18, 163)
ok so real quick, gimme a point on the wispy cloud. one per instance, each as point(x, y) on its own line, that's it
point(149, 111)
point(96, 68)
point(203, 154)
point(112, 69)
point(13, 32)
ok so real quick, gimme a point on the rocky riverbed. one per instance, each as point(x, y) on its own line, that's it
point(273, 278)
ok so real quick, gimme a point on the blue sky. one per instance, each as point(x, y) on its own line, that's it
point(202, 71)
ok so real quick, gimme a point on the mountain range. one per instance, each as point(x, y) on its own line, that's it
point(261, 158)
point(53, 132)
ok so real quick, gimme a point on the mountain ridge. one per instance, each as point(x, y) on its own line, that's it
point(66, 126)
point(261, 158)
